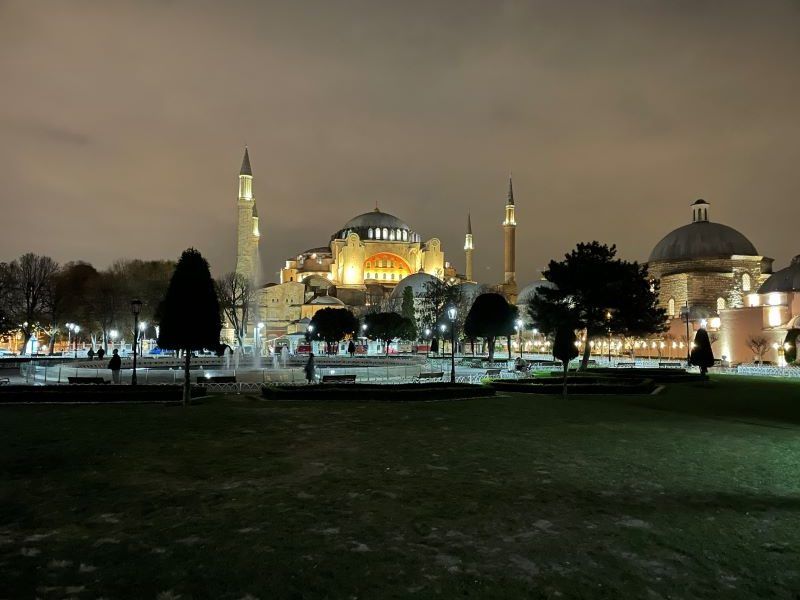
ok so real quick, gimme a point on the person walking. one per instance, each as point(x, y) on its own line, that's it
point(310, 368)
point(115, 364)
point(351, 348)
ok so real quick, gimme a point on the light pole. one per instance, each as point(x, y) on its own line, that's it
point(76, 329)
point(136, 308)
point(311, 337)
point(452, 313)
point(428, 335)
point(364, 337)
point(70, 327)
point(519, 336)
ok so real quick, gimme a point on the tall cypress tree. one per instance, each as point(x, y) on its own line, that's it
point(189, 316)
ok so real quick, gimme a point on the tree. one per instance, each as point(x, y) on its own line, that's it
point(701, 355)
point(236, 295)
point(759, 345)
point(332, 325)
point(489, 317)
point(435, 298)
point(565, 349)
point(30, 279)
point(387, 326)
point(599, 293)
point(189, 314)
point(408, 312)
point(6, 299)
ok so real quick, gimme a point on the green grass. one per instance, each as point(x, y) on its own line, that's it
point(692, 493)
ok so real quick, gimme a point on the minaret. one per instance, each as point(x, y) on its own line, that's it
point(468, 248)
point(700, 211)
point(247, 233)
point(509, 238)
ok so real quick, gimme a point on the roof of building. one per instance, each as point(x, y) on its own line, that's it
point(327, 300)
point(702, 239)
point(527, 293)
point(416, 282)
point(246, 170)
point(785, 280)
point(375, 218)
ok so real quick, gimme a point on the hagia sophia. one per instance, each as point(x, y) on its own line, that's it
point(707, 269)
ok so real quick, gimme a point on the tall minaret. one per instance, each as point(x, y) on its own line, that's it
point(468, 248)
point(509, 237)
point(247, 233)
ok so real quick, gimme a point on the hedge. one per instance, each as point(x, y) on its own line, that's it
point(371, 391)
point(577, 385)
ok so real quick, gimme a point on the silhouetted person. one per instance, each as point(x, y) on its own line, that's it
point(90, 353)
point(100, 354)
point(115, 364)
point(310, 368)
point(351, 348)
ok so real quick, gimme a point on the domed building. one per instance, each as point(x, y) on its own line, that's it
point(709, 265)
point(372, 248)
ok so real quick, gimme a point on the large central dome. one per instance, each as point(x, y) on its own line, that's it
point(377, 225)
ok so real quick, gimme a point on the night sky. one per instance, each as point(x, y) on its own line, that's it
point(122, 124)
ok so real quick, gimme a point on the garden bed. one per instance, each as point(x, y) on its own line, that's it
point(369, 391)
point(94, 394)
point(657, 375)
point(583, 384)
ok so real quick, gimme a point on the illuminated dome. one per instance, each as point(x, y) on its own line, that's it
point(785, 280)
point(416, 282)
point(377, 225)
point(702, 239)
point(529, 291)
point(326, 301)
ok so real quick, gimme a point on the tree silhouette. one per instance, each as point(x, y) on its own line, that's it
point(189, 315)
point(332, 325)
point(490, 316)
point(387, 326)
point(407, 311)
point(597, 292)
point(701, 355)
point(565, 349)
point(758, 345)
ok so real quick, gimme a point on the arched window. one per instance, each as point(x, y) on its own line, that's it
point(720, 304)
point(746, 282)
point(405, 235)
point(370, 233)
point(397, 234)
point(671, 307)
point(391, 235)
point(385, 233)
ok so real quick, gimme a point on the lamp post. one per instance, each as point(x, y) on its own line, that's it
point(76, 329)
point(136, 308)
point(364, 338)
point(70, 327)
point(311, 337)
point(685, 312)
point(519, 336)
point(428, 336)
point(452, 313)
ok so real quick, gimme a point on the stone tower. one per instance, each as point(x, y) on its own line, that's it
point(468, 248)
point(509, 245)
point(247, 233)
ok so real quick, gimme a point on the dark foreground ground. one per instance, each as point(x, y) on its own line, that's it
point(691, 494)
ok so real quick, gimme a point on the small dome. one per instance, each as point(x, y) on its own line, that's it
point(416, 282)
point(529, 291)
point(702, 239)
point(785, 280)
point(326, 300)
point(370, 225)
point(470, 290)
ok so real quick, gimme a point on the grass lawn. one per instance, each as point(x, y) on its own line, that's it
point(694, 493)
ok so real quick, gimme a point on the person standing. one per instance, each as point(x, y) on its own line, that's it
point(351, 348)
point(90, 354)
point(115, 364)
point(100, 354)
point(310, 368)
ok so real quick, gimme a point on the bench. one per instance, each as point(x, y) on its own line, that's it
point(216, 379)
point(669, 365)
point(338, 379)
point(428, 376)
point(492, 372)
point(4, 381)
point(629, 365)
point(92, 380)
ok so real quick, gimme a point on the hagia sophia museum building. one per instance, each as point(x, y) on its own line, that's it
point(714, 270)
point(369, 261)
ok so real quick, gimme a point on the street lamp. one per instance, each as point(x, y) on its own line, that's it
point(452, 313)
point(76, 329)
point(364, 338)
point(428, 337)
point(70, 327)
point(136, 308)
point(519, 336)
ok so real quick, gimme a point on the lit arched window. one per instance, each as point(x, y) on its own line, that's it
point(746, 282)
point(370, 233)
point(405, 235)
point(671, 307)
point(385, 233)
point(720, 304)
point(397, 234)
point(391, 235)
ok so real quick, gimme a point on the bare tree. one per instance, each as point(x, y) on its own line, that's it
point(30, 279)
point(759, 345)
point(236, 296)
